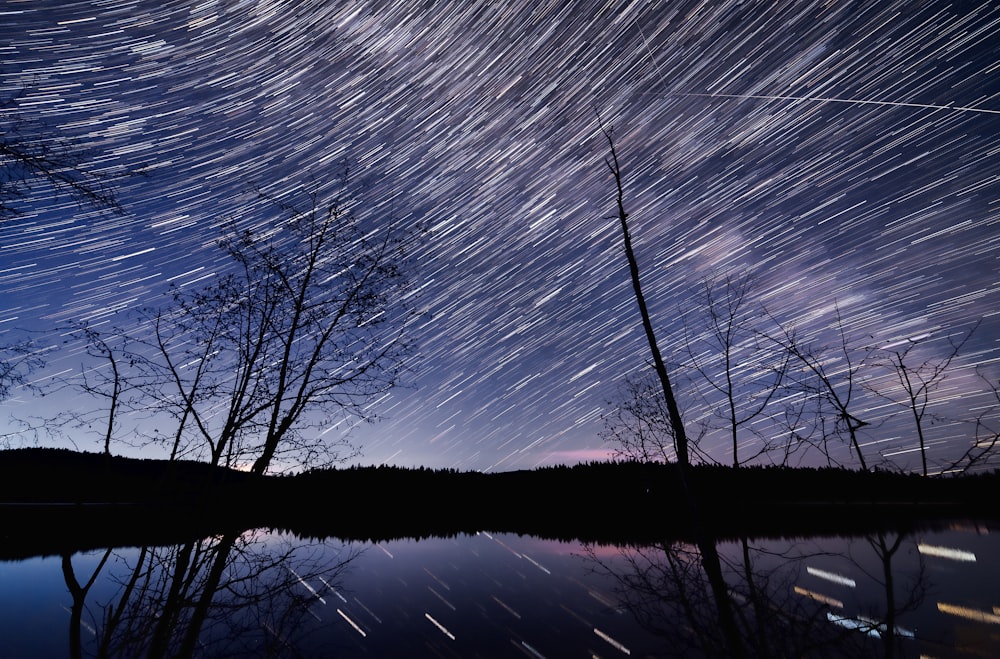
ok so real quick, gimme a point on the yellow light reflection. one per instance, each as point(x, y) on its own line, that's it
point(819, 597)
point(969, 613)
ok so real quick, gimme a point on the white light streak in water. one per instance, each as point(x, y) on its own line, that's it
point(615, 644)
point(531, 650)
point(506, 607)
point(947, 552)
point(536, 564)
point(868, 626)
point(832, 577)
point(307, 586)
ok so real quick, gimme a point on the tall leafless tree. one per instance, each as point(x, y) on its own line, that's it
point(110, 385)
point(708, 555)
point(677, 429)
point(730, 360)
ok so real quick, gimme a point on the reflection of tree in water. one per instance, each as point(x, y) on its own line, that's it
point(886, 547)
point(668, 589)
point(233, 595)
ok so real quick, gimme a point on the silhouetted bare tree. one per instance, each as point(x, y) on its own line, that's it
point(985, 448)
point(742, 376)
point(917, 380)
point(638, 424)
point(308, 326)
point(33, 154)
point(79, 593)
point(677, 430)
point(110, 384)
point(237, 594)
point(18, 360)
point(828, 377)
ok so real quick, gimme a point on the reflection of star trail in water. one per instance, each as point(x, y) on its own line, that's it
point(605, 600)
point(846, 152)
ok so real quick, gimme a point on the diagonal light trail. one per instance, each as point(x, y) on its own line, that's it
point(832, 99)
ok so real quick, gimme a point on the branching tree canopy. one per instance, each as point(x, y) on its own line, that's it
point(830, 376)
point(638, 424)
point(918, 379)
point(17, 361)
point(33, 154)
point(306, 328)
point(740, 375)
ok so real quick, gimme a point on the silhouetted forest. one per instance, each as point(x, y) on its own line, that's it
point(90, 499)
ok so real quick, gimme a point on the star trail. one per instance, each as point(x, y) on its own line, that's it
point(846, 153)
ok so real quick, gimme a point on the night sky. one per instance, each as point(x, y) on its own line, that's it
point(847, 153)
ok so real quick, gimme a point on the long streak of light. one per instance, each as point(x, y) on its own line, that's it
point(868, 626)
point(821, 99)
point(308, 587)
point(536, 564)
point(832, 577)
point(368, 611)
point(615, 644)
point(819, 597)
point(855, 101)
point(444, 630)
point(506, 607)
point(352, 623)
point(969, 613)
point(947, 552)
point(533, 651)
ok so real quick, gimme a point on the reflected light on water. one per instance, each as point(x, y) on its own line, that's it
point(819, 597)
point(479, 595)
point(832, 577)
point(947, 552)
point(307, 586)
point(868, 626)
point(969, 613)
point(536, 564)
point(506, 607)
point(612, 642)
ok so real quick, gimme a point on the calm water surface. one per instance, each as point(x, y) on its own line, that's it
point(933, 594)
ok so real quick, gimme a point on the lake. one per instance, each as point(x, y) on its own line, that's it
point(933, 593)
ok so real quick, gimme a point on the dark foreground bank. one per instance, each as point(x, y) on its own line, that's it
point(51, 497)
